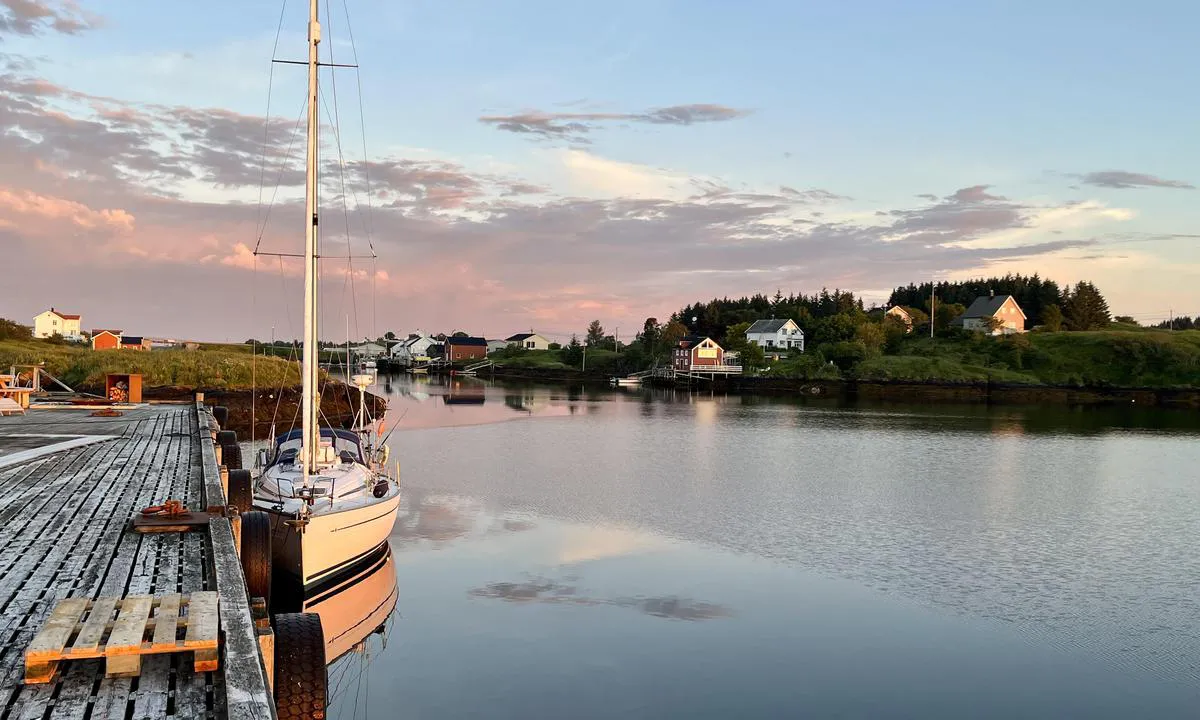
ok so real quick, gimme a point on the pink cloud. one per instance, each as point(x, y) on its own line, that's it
point(24, 207)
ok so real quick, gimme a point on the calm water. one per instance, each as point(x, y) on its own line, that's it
point(629, 554)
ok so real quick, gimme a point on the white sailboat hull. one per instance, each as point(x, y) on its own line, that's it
point(331, 542)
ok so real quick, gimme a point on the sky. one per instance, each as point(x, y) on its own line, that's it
point(503, 167)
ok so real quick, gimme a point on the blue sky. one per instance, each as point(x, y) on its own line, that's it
point(874, 103)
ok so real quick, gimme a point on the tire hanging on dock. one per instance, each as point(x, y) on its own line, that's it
point(241, 490)
point(227, 437)
point(220, 413)
point(231, 456)
point(300, 677)
point(256, 553)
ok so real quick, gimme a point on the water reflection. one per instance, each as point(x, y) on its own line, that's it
point(357, 613)
point(465, 391)
point(854, 560)
point(467, 400)
point(549, 591)
point(355, 609)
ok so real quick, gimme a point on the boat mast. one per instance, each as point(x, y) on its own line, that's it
point(310, 407)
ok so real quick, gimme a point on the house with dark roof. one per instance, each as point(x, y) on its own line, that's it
point(775, 334)
point(528, 341)
point(462, 348)
point(134, 342)
point(993, 314)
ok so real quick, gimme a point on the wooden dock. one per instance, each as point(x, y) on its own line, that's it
point(69, 485)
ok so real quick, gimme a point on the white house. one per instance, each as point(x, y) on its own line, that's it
point(52, 322)
point(1001, 312)
point(776, 334)
point(416, 345)
point(368, 349)
point(529, 341)
point(494, 345)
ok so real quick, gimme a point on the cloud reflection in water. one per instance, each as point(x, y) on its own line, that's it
point(543, 590)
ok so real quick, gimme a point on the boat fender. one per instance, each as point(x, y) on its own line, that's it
point(380, 489)
point(384, 453)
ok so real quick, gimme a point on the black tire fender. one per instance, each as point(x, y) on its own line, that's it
point(301, 681)
point(256, 554)
point(231, 456)
point(241, 490)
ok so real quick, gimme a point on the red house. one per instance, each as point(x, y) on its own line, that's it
point(106, 339)
point(465, 348)
point(698, 352)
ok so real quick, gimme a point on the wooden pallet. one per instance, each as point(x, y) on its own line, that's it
point(143, 625)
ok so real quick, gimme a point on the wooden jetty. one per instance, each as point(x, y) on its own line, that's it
point(70, 484)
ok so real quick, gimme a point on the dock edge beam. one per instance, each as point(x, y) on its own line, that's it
point(247, 690)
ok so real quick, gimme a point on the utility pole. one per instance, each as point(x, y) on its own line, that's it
point(1171, 319)
point(932, 307)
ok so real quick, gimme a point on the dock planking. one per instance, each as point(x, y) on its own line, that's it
point(64, 535)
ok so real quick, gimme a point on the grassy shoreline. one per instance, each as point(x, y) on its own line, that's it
point(210, 367)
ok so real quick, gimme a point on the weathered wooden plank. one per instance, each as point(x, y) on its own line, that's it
point(49, 643)
point(202, 630)
point(73, 700)
point(123, 653)
point(245, 684)
point(153, 688)
point(98, 620)
point(202, 619)
point(43, 654)
point(191, 688)
point(166, 623)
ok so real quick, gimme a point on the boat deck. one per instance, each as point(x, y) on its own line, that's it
point(69, 484)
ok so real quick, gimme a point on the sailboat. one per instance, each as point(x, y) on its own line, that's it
point(326, 490)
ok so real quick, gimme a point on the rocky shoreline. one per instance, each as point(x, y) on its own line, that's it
point(338, 405)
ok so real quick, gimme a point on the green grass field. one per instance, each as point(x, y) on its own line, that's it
point(227, 367)
point(1102, 358)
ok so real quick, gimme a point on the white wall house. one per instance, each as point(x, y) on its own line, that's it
point(776, 335)
point(529, 341)
point(368, 349)
point(415, 346)
point(1003, 311)
point(494, 345)
point(52, 322)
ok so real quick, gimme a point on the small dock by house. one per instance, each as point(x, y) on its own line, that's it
point(71, 482)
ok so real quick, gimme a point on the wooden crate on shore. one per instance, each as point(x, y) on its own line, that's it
point(122, 630)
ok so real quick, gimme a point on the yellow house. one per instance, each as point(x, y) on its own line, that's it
point(52, 322)
point(902, 315)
